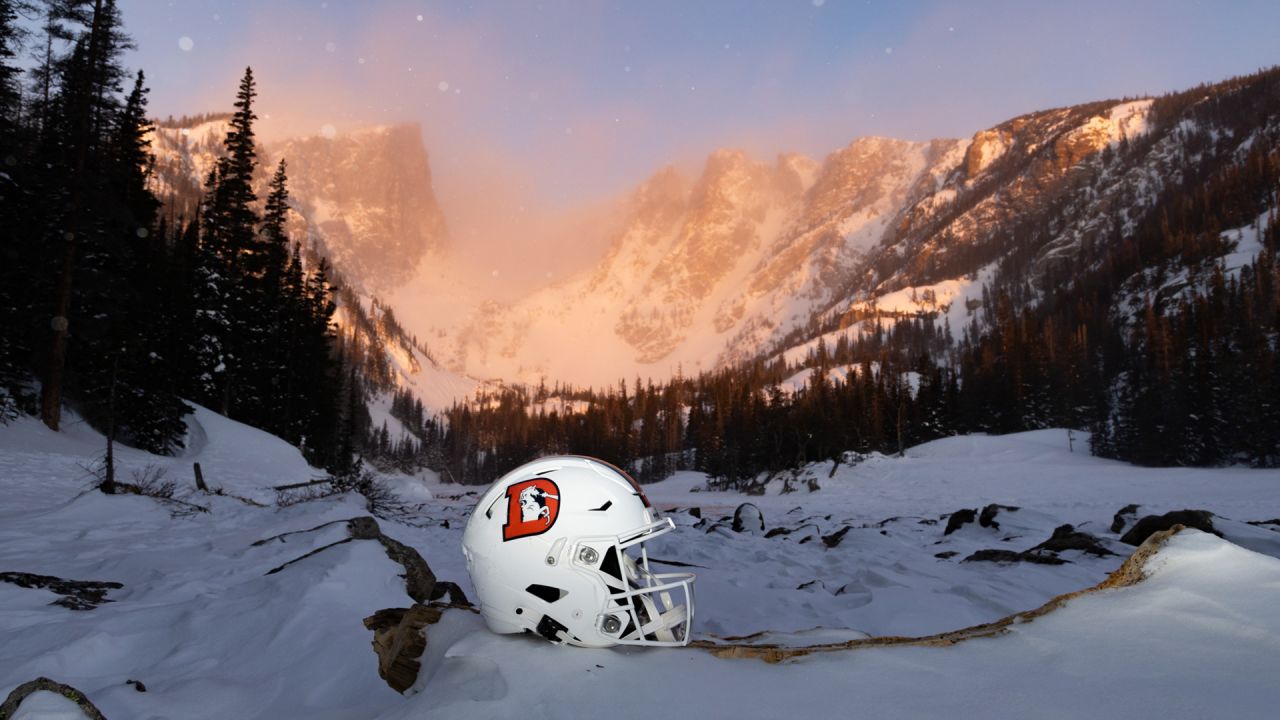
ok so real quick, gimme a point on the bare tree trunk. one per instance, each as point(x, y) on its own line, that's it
point(109, 481)
point(51, 390)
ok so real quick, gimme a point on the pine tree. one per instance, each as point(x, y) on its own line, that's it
point(228, 249)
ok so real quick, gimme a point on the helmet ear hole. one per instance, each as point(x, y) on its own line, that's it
point(546, 593)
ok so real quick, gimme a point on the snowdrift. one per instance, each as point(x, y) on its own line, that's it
point(1196, 637)
point(191, 611)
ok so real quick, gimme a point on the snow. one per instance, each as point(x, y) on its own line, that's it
point(212, 635)
point(950, 298)
point(1196, 640)
point(45, 705)
point(1129, 120)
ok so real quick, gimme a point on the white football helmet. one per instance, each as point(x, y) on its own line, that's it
point(556, 547)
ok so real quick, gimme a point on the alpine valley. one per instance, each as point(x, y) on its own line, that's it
point(758, 259)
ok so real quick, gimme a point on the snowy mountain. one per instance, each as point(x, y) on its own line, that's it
point(365, 198)
point(754, 258)
point(370, 198)
point(250, 609)
point(704, 270)
point(365, 202)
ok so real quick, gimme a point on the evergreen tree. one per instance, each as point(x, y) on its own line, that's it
point(227, 252)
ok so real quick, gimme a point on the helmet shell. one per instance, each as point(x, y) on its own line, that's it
point(537, 546)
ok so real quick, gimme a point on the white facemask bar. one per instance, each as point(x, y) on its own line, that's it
point(666, 620)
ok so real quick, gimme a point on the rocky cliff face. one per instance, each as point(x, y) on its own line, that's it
point(752, 258)
point(369, 196)
point(707, 269)
point(365, 199)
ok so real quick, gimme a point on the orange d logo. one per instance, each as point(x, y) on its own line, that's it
point(532, 508)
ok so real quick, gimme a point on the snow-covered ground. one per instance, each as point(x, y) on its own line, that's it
point(211, 634)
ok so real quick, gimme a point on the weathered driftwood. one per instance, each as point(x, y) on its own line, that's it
point(420, 581)
point(20, 693)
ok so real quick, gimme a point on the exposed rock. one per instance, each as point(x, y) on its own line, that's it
point(1122, 518)
point(986, 147)
point(1000, 556)
point(76, 594)
point(958, 520)
point(778, 531)
point(945, 554)
point(987, 518)
point(812, 584)
point(13, 702)
point(137, 685)
point(834, 538)
point(399, 639)
point(1066, 537)
point(748, 518)
point(1198, 519)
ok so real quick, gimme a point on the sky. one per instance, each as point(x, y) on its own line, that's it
point(588, 98)
point(552, 105)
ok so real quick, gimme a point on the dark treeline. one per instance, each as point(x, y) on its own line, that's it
point(1144, 337)
point(120, 310)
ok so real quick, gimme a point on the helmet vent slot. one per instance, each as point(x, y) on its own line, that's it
point(607, 504)
point(545, 593)
point(609, 565)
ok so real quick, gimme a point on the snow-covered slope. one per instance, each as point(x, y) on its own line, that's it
point(706, 270)
point(211, 634)
point(1195, 639)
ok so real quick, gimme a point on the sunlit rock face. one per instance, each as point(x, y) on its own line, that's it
point(370, 196)
point(365, 199)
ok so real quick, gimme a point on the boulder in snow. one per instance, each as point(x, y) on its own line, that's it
point(76, 594)
point(1198, 519)
point(1003, 556)
point(1123, 517)
point(1066, 537)
point(987, 518)
point(836, 537)
point(748, 519)
point(958, 520)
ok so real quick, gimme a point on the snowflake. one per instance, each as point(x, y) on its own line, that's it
point(186, 43)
